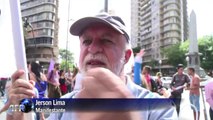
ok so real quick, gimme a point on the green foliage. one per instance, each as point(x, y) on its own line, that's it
point(185, 46)
point(176, 53)
point(206, 48)
point(67, 59)
point(64, 65)
point(65, 54)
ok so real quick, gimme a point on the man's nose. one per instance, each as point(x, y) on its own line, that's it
point(95, 47)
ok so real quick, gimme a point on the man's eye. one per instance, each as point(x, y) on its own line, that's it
point(87, 42)
point(107, 41)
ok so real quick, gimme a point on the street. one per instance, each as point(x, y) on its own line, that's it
point(185, 111)
point(3, 115)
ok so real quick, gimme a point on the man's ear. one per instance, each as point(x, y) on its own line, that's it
point(128, 54)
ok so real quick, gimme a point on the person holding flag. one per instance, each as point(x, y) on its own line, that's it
point(53, 82)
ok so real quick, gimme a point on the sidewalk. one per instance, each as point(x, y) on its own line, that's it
point(2, 115)
point(186, 112)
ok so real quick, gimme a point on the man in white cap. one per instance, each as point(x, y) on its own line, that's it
point(103, 53)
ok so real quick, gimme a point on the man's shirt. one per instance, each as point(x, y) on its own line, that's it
point(209, 93)
point(179, 80)
point(151, 111)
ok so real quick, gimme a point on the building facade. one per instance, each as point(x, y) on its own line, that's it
point(158, 24)
point(41, 30)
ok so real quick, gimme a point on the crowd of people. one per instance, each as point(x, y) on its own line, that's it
point(180, 81)
point(52, 85)
point(59, 82)
point(104, 51)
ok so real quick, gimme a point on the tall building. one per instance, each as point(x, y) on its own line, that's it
point(157, 24)
point(41, 30)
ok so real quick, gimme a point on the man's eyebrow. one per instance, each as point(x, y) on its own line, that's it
point(107, 35)
point(84, 36)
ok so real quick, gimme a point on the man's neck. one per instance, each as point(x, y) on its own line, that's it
point(123, 77)
point(180, 73)
point(193, 74)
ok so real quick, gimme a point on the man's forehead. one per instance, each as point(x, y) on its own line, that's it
point(181, 68)
point(99, 26)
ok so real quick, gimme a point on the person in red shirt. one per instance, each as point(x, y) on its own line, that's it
point(62, 81)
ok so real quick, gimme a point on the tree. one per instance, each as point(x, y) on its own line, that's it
point(65, 65)
point(176, 53)
point(67, 59)
point(206, 48)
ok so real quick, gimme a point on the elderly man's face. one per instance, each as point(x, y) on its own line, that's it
point(102, 46)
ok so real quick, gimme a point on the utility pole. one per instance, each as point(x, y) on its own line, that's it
point(106, 6)
point(67, 36)
point(26, 24)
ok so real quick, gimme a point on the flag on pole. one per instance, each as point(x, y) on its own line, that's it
point(18, 39)
point(7, 62)
point(51, 66)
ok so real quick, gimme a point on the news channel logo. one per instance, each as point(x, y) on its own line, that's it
point(26, 105)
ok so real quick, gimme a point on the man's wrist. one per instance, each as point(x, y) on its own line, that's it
point(15, 116)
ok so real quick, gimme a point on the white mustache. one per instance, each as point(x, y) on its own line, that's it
point(98, 57)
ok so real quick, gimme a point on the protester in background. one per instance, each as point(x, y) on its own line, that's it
point(3, 82)
point(74, 77)
point(178, 84)
point(194, 95)
point(103, 54)
point(159, 82)
point(53, 83)
point(46, 73)
point(40, 83)
point(63, 81)
point(160, 88)
point(144, 80)
point(68, 76)
point(39, 78)
point(147, 81)
point(136, 69)
point(209, 97)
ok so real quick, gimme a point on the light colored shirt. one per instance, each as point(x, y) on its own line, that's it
point(151, 113)
point(68, 75)
point(78, 80)
point(209, 93)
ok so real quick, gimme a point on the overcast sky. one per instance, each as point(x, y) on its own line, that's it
point(81, 8)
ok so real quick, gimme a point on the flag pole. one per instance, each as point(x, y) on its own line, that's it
point(18, 40)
